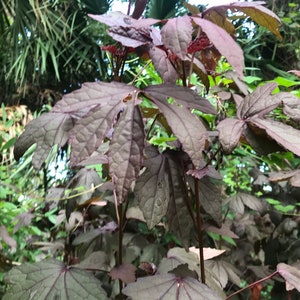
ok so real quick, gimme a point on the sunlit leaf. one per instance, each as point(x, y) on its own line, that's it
point(168, 286)
point(177, 34)
point(51, 279)
point(208, 253)
point(290, 274)
point(126, 150)
point(224, 43)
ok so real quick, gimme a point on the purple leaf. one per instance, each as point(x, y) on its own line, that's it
point(52, 279)
point(125, 272)
point(92, 94)
point(290, 274)
point(47, 130)
point(285, 135)
point(23, 219)
point(186, 127)
point(126, 150)
point(230, 131)
point(163, 65)
point(120, 19)
point(224, 43)
point(182, 95)
point(4, 235)
point(152, 189)
point(130, 36)
point(260, 102)
point(168, 286)
point(177, 34)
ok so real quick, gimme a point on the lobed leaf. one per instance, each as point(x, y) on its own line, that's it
point(126, 150)
point(168, 286)
point(224, 43)
point(290, 274)
point(177, 34)
point(124, 272)
point(51, 279)
point(46, 131)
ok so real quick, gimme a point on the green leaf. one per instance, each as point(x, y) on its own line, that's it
point(51, 279)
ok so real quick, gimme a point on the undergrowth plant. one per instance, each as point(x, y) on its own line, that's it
point(149, 210)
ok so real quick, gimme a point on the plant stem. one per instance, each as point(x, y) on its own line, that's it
point(252, 284)
point(199, 231)
point(120, 249)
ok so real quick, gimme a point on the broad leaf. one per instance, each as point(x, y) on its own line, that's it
point(92, 94)
point(95, 261)
point(290, 274)
point(186, 127)
point(89, 132)
point(163, 65)
point(152, 190)
point(124, 272)
point(208, 253)
point(182, 95)
point(260, 102)
point(51, 279)
point(47, 130)
point(177, 34)
point(126, 150)
point(283, 134)
point(230, 131)
point(168, 286)
point(4, 235)
point(24, 219)
point(224, 43)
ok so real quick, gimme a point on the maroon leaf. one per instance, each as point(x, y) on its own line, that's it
point(92, 94)
point(177, 34)
point(23, 219)
point(260, 102)
point(182, 95)
point(187, 128)
point(152, 189)
point(130, 36)
point(89, 132)
point(178, 216)
point(163, 65)
point(47, 130)
point(4, 235)
point(120, 19)
point(52, 279)
point(283, 134)
point(230, 131)
point(95, 261)
point(168, 286)
point(125, 272)
point(126, 150)
point(224, 43)
point(291, 275)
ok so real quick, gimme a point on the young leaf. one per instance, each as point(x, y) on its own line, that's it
point(177, 34)
point(290, 274)
point(152, 190)
point(186, 127)
point(283, 134)
point(163, 65)
point(230, 131)
point(224, 43)
point(168, 286)
point(260, 102)
point(126, 150)
point(47, 130)
point(51, 279)
point(182, 95)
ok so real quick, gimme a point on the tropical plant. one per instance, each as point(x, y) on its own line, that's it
point(164, 172)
